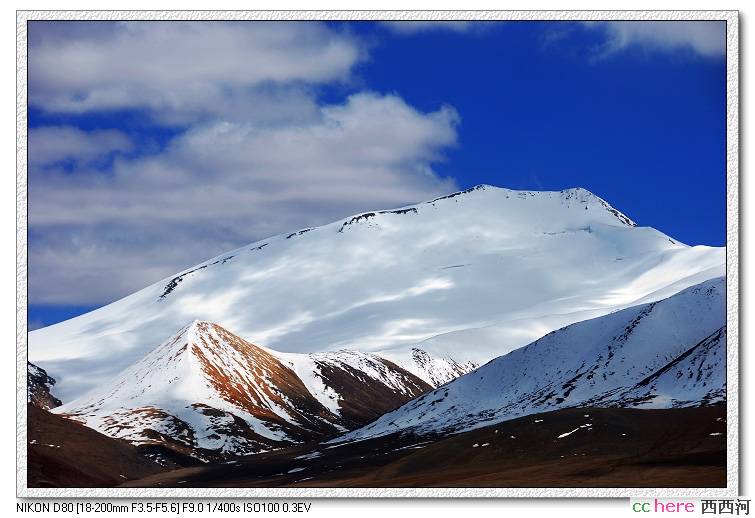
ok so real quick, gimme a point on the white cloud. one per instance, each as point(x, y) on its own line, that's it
point(180, 71)
point(704, 38)
point(98, 236)
point(258, 153)
point(52, 144)
point(409, 27)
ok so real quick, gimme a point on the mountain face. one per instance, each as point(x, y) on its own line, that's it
point(38, 388)
point(665, 354)
point(210, 394)
point(435, 288)
point(359, 387)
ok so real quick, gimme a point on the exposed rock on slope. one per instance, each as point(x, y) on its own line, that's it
point(437, 370)
point(38, 388)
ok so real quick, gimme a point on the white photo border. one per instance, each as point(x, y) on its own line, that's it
point(732, 253)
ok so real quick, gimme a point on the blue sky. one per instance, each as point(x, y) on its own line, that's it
point(155, 146)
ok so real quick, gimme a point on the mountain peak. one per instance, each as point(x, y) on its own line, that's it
point(530, 210)
point(198, 324)
point(208, 391)
point(388, 280)
point(212, 384)
point(578, 195)
point(547, 201)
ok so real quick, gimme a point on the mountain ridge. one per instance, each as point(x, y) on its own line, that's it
point(210, 394)
point(664, 354)
point(488, 266)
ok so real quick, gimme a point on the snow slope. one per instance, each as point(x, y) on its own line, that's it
point(662, 354)
point(206, 392)
point(316, 371)
point(471, 276)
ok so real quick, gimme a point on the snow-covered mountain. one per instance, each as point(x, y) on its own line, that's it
point(665, 354)
point(208, 393)
point(431, 287)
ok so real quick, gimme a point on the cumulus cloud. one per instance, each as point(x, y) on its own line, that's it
point(255, 152)
point(55, 144)
point(97, 236)
point(181, 71)
point(704, 38)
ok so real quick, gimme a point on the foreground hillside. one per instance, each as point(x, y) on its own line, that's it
point(63, 453)
point(586, 447)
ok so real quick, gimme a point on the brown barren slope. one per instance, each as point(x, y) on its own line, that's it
point(63, 453)
point(364, 398)
point(263, 379)
point(219, 367)
point(619, 448)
